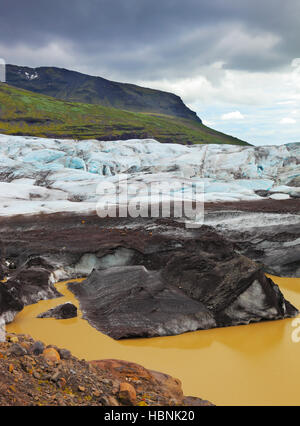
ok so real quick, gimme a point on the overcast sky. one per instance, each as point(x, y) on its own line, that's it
point(235, 62)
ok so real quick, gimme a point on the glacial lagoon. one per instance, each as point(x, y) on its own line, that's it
point(257, 364)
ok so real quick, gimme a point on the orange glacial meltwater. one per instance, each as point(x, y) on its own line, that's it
point(257, 364)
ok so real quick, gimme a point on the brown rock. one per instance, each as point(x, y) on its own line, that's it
point(192, 401)
point(51, 355)
point(171, 388)
point(36, 375)
point(123, 369)
point(55, 376)
point(109, 401)
point(26, 346)
point(113, 402)
point(17, 350)
point(64, 354)
point(127, 394)
point(167, 387)
point(62, 382)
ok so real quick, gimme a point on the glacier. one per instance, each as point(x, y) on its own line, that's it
point(39, 175)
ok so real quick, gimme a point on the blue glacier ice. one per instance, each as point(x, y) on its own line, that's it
point(61, 175)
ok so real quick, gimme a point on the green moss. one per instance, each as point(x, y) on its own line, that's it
point(27, 113)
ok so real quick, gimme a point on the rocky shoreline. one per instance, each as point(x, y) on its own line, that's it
point(33, 374)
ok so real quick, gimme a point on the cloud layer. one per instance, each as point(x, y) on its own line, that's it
point(220, 56)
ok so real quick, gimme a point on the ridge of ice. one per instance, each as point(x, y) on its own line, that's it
point(50, 175)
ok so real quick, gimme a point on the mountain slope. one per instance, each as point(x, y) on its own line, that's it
point(27, 113)
point(76, 87)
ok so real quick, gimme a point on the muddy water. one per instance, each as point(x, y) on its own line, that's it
point(257, 364)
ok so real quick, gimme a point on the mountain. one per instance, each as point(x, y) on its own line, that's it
point(27, 113)
point(76, 87)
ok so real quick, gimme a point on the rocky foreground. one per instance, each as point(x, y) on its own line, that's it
point(33, 374)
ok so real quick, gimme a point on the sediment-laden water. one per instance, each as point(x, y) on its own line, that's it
point(258, 364)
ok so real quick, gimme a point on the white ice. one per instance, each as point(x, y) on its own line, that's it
point(40, 175)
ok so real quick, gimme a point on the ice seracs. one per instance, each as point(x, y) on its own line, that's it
point(50, 175)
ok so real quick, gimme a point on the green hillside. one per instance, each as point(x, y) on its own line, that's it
point(27, 113)
point(73, 86)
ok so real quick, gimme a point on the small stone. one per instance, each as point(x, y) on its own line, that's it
point(37, 348)
point(26, 346)
point(17, 350)
point(109, 401)
point(51, 355)
point(113, 402)
point(127, 394)
point(36, 375)
point(64, 354)
point(55, 376)
point(61, 401)
point(62, 382)
point(26, 366)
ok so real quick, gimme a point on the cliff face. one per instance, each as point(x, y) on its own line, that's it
point(76, 87)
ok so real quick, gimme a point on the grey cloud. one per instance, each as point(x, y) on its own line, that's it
point(145, 39)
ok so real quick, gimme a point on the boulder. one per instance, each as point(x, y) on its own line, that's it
point(10, 305)
point(37, 348)
point(201, 285)
point(135, 379)
point(64, 353)
point(131, 301)
point(51, 355)
point(10, 302)
point(18, 350)
point(64, 311)
point(32, 284)
point(127, 394)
